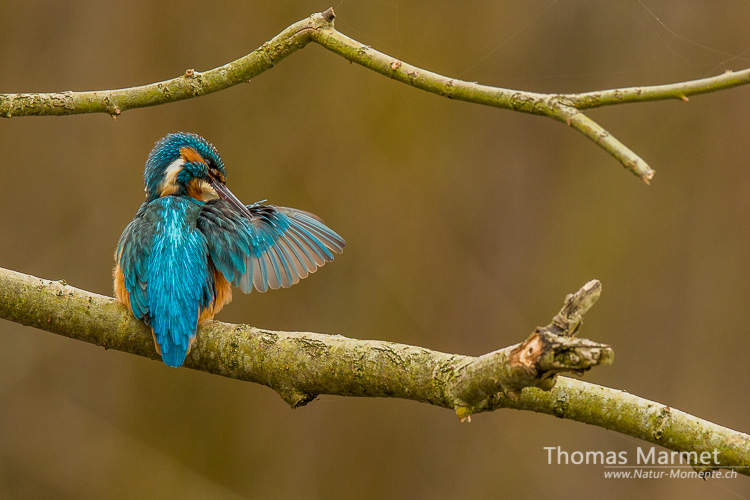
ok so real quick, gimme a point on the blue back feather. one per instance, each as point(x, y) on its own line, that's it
point(179, 281)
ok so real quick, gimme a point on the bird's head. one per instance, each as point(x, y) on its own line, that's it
point(184, 164)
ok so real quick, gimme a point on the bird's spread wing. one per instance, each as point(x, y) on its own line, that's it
point(132, 257)
point(274, 247)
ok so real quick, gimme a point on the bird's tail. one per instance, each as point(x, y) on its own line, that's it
point(172, 354)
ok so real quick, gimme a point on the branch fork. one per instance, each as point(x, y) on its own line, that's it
point(319, 28)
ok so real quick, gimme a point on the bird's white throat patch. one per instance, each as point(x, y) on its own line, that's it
point(169, 184)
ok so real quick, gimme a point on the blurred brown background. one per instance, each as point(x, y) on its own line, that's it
point(465, 225)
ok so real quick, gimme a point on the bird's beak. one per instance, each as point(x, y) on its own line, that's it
point(225, 194)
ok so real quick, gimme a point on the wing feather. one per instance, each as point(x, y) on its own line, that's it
point(275, 247)
point(132, 255)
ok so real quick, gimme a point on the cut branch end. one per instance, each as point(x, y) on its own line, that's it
point(329, 15)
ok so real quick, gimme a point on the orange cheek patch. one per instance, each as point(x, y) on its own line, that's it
point(190, 155)
point(194, 187)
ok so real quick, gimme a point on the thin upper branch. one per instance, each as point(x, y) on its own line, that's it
point(319, 28)
point(302, 365)
point(190, 84)
point(680, 90)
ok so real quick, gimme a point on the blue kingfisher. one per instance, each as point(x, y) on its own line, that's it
point(192, 240)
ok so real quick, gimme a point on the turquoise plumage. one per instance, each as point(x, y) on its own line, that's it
point(192, 239)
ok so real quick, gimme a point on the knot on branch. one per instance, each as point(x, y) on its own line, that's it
point(552, 349)
point(535, 362)
point(544, 355)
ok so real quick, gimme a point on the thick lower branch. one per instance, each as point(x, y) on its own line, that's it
point(635, 416)
point(301, 365)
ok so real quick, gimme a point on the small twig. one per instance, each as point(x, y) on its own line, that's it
point(569, 319)
point(319, 28)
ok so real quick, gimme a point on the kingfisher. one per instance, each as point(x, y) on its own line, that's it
point(192, 240)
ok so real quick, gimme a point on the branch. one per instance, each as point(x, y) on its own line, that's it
point(319, 28)
point(681, 90)
point(300, 366)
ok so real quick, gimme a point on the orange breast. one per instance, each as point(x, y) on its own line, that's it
point(223, 297)
point(121, 293)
